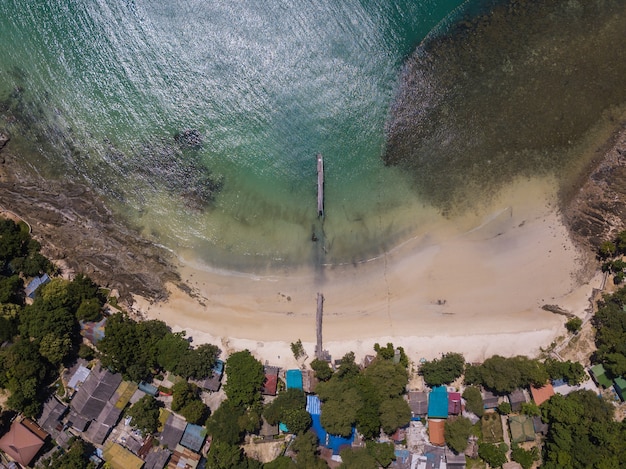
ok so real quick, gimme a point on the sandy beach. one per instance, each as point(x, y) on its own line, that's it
point(477, 290)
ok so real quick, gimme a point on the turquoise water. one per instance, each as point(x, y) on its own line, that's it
point(97, 90)
point(266, 84)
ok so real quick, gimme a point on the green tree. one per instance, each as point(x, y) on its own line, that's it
point(572, 372)
point(474, 400)
point(223, 424)
point(245, 378)
point(131, 347)
point(281, 462)
point(341, 403)
point(145, 415)
point(383, 453)
point(531, 409)
point(389, 379)
point(582, 432)
point(457, 431)
point(389, 353)
point(8, 329)
point(89, 310)
point(286, 401)
point(297, 349)
point(394, 413)
point(573, 325)
point(322, 369)
point(25, 373)
point(504, 408)
point(198, 362)
point(223, 455)
point(55, 348)
point(525, 458)
point(493, 455)
point(306, 448)
point(171, 349)
point(76, 457)
point(296, 420)
point(607, 250)
point(444, 370)
point(357, 459)
point(10, 289)
point(186, 401)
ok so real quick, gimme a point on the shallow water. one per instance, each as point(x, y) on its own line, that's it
point(97, 90)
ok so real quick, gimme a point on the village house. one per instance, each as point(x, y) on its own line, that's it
point(23, 441)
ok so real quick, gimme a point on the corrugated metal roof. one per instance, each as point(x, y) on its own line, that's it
point(193, 438)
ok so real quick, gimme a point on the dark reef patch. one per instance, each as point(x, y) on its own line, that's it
point(514, 92)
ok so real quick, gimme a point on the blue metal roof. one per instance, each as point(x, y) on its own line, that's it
point(34, 284)
point(294, 379)
point(438, 403)
point(193, 438)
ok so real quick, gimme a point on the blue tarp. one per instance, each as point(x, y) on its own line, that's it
point(219, 367)
point(438, 403)
point(148, 388)
point(294, 379)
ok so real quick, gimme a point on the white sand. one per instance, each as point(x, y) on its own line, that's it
point(478, 292)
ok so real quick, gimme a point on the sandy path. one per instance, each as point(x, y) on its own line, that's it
point(478, 291)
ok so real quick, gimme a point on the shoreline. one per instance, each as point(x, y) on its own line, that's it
point(479, 292)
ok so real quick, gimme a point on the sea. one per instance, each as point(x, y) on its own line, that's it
point(199, 121)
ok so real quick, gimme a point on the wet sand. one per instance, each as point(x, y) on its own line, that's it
point(479, 291)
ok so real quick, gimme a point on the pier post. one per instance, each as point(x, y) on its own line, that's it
point(319, 351)
point(320, 185)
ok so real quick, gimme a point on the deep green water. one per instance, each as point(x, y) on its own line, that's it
point(96, 90)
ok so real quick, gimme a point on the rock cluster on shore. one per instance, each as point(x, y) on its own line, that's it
point(73, 224)
point(595, 210)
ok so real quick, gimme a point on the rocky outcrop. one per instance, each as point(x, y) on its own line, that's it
point(4, 139)
point(597, 210)
point(74, 225)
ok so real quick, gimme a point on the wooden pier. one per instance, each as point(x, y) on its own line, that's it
point(320, 185)
point(319, 351)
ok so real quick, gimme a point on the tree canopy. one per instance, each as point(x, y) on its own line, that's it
point(145, 414)
point(582, 432)
point(457, 431)
point(245, 377)
point(443, 370)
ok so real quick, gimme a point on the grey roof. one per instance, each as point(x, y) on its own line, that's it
point(212, 383)
point(418, 402)
point(95, 392)
point(517, 398)
point(157, 459)
point(79, 377)
point(173, 431)
point(97, 432)
point(109, 415)
point(454, 461)
point(53, 411)
point(490, 400)
point(79, 422)
point(133, 444)
point(539, 425)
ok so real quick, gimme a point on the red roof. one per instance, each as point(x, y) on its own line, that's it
point(271, 381)
point(542, 394)
point(436, 429)
point(454, 403)
point(20, 443)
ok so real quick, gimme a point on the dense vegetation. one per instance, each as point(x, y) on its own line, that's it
point(583, 433)
point(138, 349)
point(610, 323)
point(369, 399)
